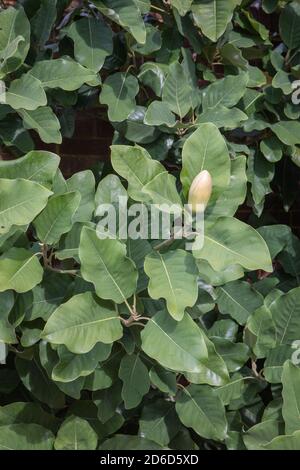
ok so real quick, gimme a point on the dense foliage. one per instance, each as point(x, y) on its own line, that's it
point(142, 344)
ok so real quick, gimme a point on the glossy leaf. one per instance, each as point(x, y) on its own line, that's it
point(39, 166)
point(290, 25)
point(92, 42)
point(21, 201)
point(166, 273)
point(227, 242)
point(137, 167)
point(179, 346)
point(62, 73)
point(45, 122)
point(20, 270)
point(26, 93)
point(14, 39)
point(57, 217)
point(75, 434)
point(206, 149)
point(105, 264)
point(213, 16)
point(202, 410)
point(118, 93)
point(176, 92)
point(71, 366)
point(290, 394)
point(82, 322)
point(25, 437)
point(136, 382)
point(286, 317)
point(127, 14)
point(238, 300)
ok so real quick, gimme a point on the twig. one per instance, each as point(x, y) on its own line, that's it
point(47, 263)
point(164, 243)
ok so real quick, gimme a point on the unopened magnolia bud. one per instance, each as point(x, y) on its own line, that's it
point(200, 191)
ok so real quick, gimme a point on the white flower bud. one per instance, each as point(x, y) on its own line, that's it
point(200, 191)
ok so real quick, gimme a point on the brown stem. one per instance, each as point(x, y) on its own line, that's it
point(164, 243)
point(47, 263)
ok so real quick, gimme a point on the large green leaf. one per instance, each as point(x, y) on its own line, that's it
point(276, 236)
point(69, 244)
point(287, 131)
point(286, 316)
point(84, 182)
point(222, 116)
point(199, 408)
point(27, 93)
point(153, 74)
point(137, 250)
point(178, 346)
point(291, 397)
point(47, 296)
point(289, 24)
point(232, 389)
point(44, 121)
point(135, 378)
point(62, 73)
point(177, 93)
point(105, 264)
point(57, 217)
point(183, 6)
point(218, 278)
point(173, 276)
point(82, 322)
point(235, 355)
point(234, 195)
point(43, 20)
point(261, 434)
point(213, 369)
point(238, 300)
point(25, 437)
point(14, 39)
point(92, 42)
point(20, 202)
point(27, 413)
point(127, 14)
point(289, 258)
point(159, 422)
point(260, 331)
point(276, 358)
point(20, 270)
point(206, 149)
point(7, 331)
point(48, 358)
point(260, 173)
point(76, 434)
point(38, 165)
point(213, 16)
point(291, 442)
point(225, 92)
point(71, 366)
point(109, 190)
point(230, 241)
point(159, 113)
point(118, 93)
point(137, 167)
point(163, 192)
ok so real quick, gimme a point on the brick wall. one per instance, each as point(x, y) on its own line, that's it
point(88, 146)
